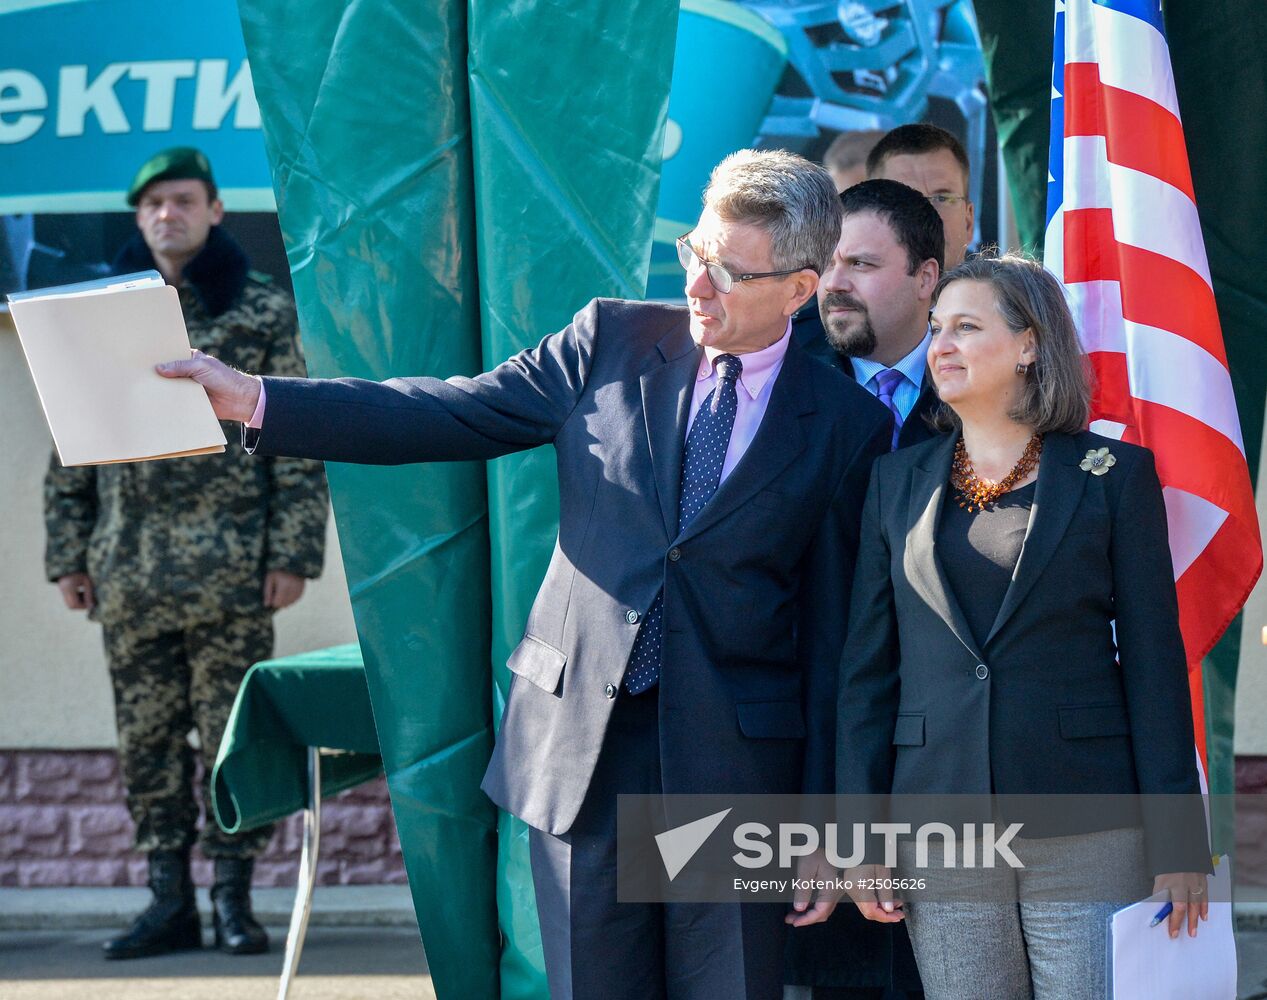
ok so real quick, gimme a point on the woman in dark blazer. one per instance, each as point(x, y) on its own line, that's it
point(1014, 630)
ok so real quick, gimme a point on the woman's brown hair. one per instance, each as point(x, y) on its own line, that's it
point(1057, 393)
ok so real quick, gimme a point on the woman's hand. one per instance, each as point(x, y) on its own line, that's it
point(1187, 893)
point(813, 907)
point(869, 889)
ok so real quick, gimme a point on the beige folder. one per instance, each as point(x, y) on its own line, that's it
point(92, 355)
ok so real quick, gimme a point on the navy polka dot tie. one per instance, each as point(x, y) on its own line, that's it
point(702, 462)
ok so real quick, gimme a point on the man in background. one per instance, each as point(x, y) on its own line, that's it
point(184, 562)
point(846, 157)
point(934, 163)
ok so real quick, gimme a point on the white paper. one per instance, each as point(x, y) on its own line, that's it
point(1146, 964)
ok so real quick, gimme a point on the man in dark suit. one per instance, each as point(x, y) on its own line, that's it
point(871, 316)
point(686, 636)
point(873, 302)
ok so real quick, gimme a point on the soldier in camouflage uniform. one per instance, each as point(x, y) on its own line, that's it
point(183, 562)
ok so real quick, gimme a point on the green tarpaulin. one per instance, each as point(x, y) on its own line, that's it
point(402, 138)
point(567, 140)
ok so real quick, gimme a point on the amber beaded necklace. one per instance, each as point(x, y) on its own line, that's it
point(974, 492)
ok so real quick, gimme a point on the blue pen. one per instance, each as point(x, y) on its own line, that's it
point(1162, 914)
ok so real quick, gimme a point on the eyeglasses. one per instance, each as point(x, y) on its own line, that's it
point(720, 278)
point(946, 199)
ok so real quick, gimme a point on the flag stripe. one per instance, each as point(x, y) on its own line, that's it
point(1156, 290)
point(1210, 597)
point(1139, 134)
point(1190, 455)
point(1135, 56)
point(1184, 372)
point(1148, 11)
point(1147, 213)
point(1201, 521)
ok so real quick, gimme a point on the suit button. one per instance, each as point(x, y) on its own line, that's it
point(982, 671)
point(631, 616)
point(610, 690)
point(675, 554)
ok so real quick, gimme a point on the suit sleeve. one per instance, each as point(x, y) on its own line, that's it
point(868, 667)
point(70, 514)
point(520, 404)
point(824, 608)
point(1155, 674)
point(298, 500)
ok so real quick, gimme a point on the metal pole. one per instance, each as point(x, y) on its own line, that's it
point(307, 875)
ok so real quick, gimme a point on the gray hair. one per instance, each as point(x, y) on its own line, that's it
point(787, 196)
point(1057, 393)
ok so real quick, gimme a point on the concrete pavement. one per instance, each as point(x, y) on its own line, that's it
point(362, 943)
point(339, 963)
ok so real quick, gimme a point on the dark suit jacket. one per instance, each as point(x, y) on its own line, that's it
point(807, 330)
point(753, 589)
point(824, 954)
point(1049, 703)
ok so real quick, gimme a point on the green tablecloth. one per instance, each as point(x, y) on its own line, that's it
point(285, 706)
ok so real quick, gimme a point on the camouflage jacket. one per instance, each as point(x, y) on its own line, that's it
point(182, 541)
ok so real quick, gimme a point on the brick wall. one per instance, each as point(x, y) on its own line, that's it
point(63, 823)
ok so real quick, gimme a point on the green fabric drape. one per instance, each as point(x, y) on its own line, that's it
point(367, 126)
point(369, 110)
point(1216, 51)
point(1016, 44)
point(567, 166)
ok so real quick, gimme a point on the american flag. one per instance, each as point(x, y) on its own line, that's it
point(1124, 236)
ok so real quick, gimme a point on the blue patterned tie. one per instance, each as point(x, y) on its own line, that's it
point(887, 381)
point(702, 462)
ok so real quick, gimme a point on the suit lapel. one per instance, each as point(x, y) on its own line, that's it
point(915, 429)
point(1056, 497)
point(666, 404)
point(930, 482)
point(778, 441)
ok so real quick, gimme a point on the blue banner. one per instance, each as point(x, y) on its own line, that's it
point(90, 89)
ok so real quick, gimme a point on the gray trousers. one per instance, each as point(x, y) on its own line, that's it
point(1050, 942)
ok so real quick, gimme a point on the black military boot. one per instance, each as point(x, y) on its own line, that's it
point(170, 922)
point(237, 930)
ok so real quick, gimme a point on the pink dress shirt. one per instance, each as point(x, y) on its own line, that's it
point(760, 368)
point(257, 418)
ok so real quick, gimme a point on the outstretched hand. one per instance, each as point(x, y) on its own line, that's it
point(233, 395)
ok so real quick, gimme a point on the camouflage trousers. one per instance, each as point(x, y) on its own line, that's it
point(166, 684)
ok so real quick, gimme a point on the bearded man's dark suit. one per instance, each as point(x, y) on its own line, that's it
point(755, 589)
point(807, 331)
point(821, 955)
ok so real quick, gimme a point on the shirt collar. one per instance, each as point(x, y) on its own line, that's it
point(912, 367)
point(758, 366)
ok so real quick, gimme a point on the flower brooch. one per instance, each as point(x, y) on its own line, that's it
point(1098, 461)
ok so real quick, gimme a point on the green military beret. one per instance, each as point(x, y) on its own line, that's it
point(176, 164)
